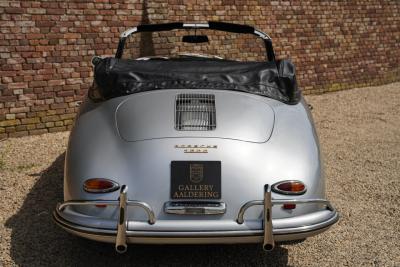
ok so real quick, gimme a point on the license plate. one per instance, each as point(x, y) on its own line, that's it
point(195, 179)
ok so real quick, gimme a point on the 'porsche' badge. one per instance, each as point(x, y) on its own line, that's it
point(196, 173)
point(196, 148)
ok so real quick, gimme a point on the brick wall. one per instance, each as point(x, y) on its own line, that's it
point(46, 46)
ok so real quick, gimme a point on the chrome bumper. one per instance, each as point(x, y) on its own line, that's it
point(121, 235)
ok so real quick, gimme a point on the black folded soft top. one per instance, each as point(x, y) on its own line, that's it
point(116, 77)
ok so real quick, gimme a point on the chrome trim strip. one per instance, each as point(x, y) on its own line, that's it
point(155, 234)
point(308, 228)
point(198, 208)
point(62, 206)
point(196, 25)
point(132, 203)
point(242, 210)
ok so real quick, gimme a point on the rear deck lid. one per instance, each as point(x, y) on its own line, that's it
point(207, 114)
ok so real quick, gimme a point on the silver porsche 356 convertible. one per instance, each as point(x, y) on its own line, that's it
point(194, 149)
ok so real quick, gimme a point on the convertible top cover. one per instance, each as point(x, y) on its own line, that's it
point(274, 79)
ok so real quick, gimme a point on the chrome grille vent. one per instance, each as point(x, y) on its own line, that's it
point(195, 112)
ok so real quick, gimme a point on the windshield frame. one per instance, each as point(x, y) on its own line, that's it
point(212, 25)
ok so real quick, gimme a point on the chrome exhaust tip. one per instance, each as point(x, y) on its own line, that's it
point(121, 248)
point(120, 242)
point(268, 247)
point(269, 242)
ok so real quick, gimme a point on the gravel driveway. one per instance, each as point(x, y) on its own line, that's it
point(360, 137)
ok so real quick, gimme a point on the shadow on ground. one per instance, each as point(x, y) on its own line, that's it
point(37, 241)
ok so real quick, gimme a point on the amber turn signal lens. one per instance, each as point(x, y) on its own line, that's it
point(289, 188)
point(100, 185)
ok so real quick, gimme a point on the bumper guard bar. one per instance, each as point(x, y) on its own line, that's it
point(268, 202)
point(123, 202)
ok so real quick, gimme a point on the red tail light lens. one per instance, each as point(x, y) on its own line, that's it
point(289, 206)
point(289, 188)
point(100, 185)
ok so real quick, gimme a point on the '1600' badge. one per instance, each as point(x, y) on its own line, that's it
point(196, 173)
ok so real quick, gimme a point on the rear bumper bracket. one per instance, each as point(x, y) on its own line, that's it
point(122, 203)
point(268, 202)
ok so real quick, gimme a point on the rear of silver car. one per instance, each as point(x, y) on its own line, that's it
point(251, 142)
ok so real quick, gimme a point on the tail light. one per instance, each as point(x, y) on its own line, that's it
point(291, 187)
point(100, 185)
point(288, 206)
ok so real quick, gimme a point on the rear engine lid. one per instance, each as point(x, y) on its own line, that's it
point(180, 114)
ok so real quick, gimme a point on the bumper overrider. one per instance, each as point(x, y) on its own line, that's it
point(298, 227)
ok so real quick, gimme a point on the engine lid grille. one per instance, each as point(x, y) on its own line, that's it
point(195, 112)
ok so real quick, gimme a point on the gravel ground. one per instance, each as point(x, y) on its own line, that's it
point(360, 137)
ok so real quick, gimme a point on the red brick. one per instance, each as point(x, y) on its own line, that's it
point(20, 128)
point(10, 129)
point(21, 85)
point(50, 118)
point(36, 11)
point(30, 120)
point(18, 134)
point(37, 83)
point(59, 106)
point(6, 123)
point(14, 10)
point(55, 11)
point(19, 110)
point(34, 36)
point(56, 82)
point(72, 35)
point(57, 129)
point(65, 93)
point(38, 131)
point(44, 23)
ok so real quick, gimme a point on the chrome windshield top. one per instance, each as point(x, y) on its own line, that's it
point(212, 25)
point(222, 26)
